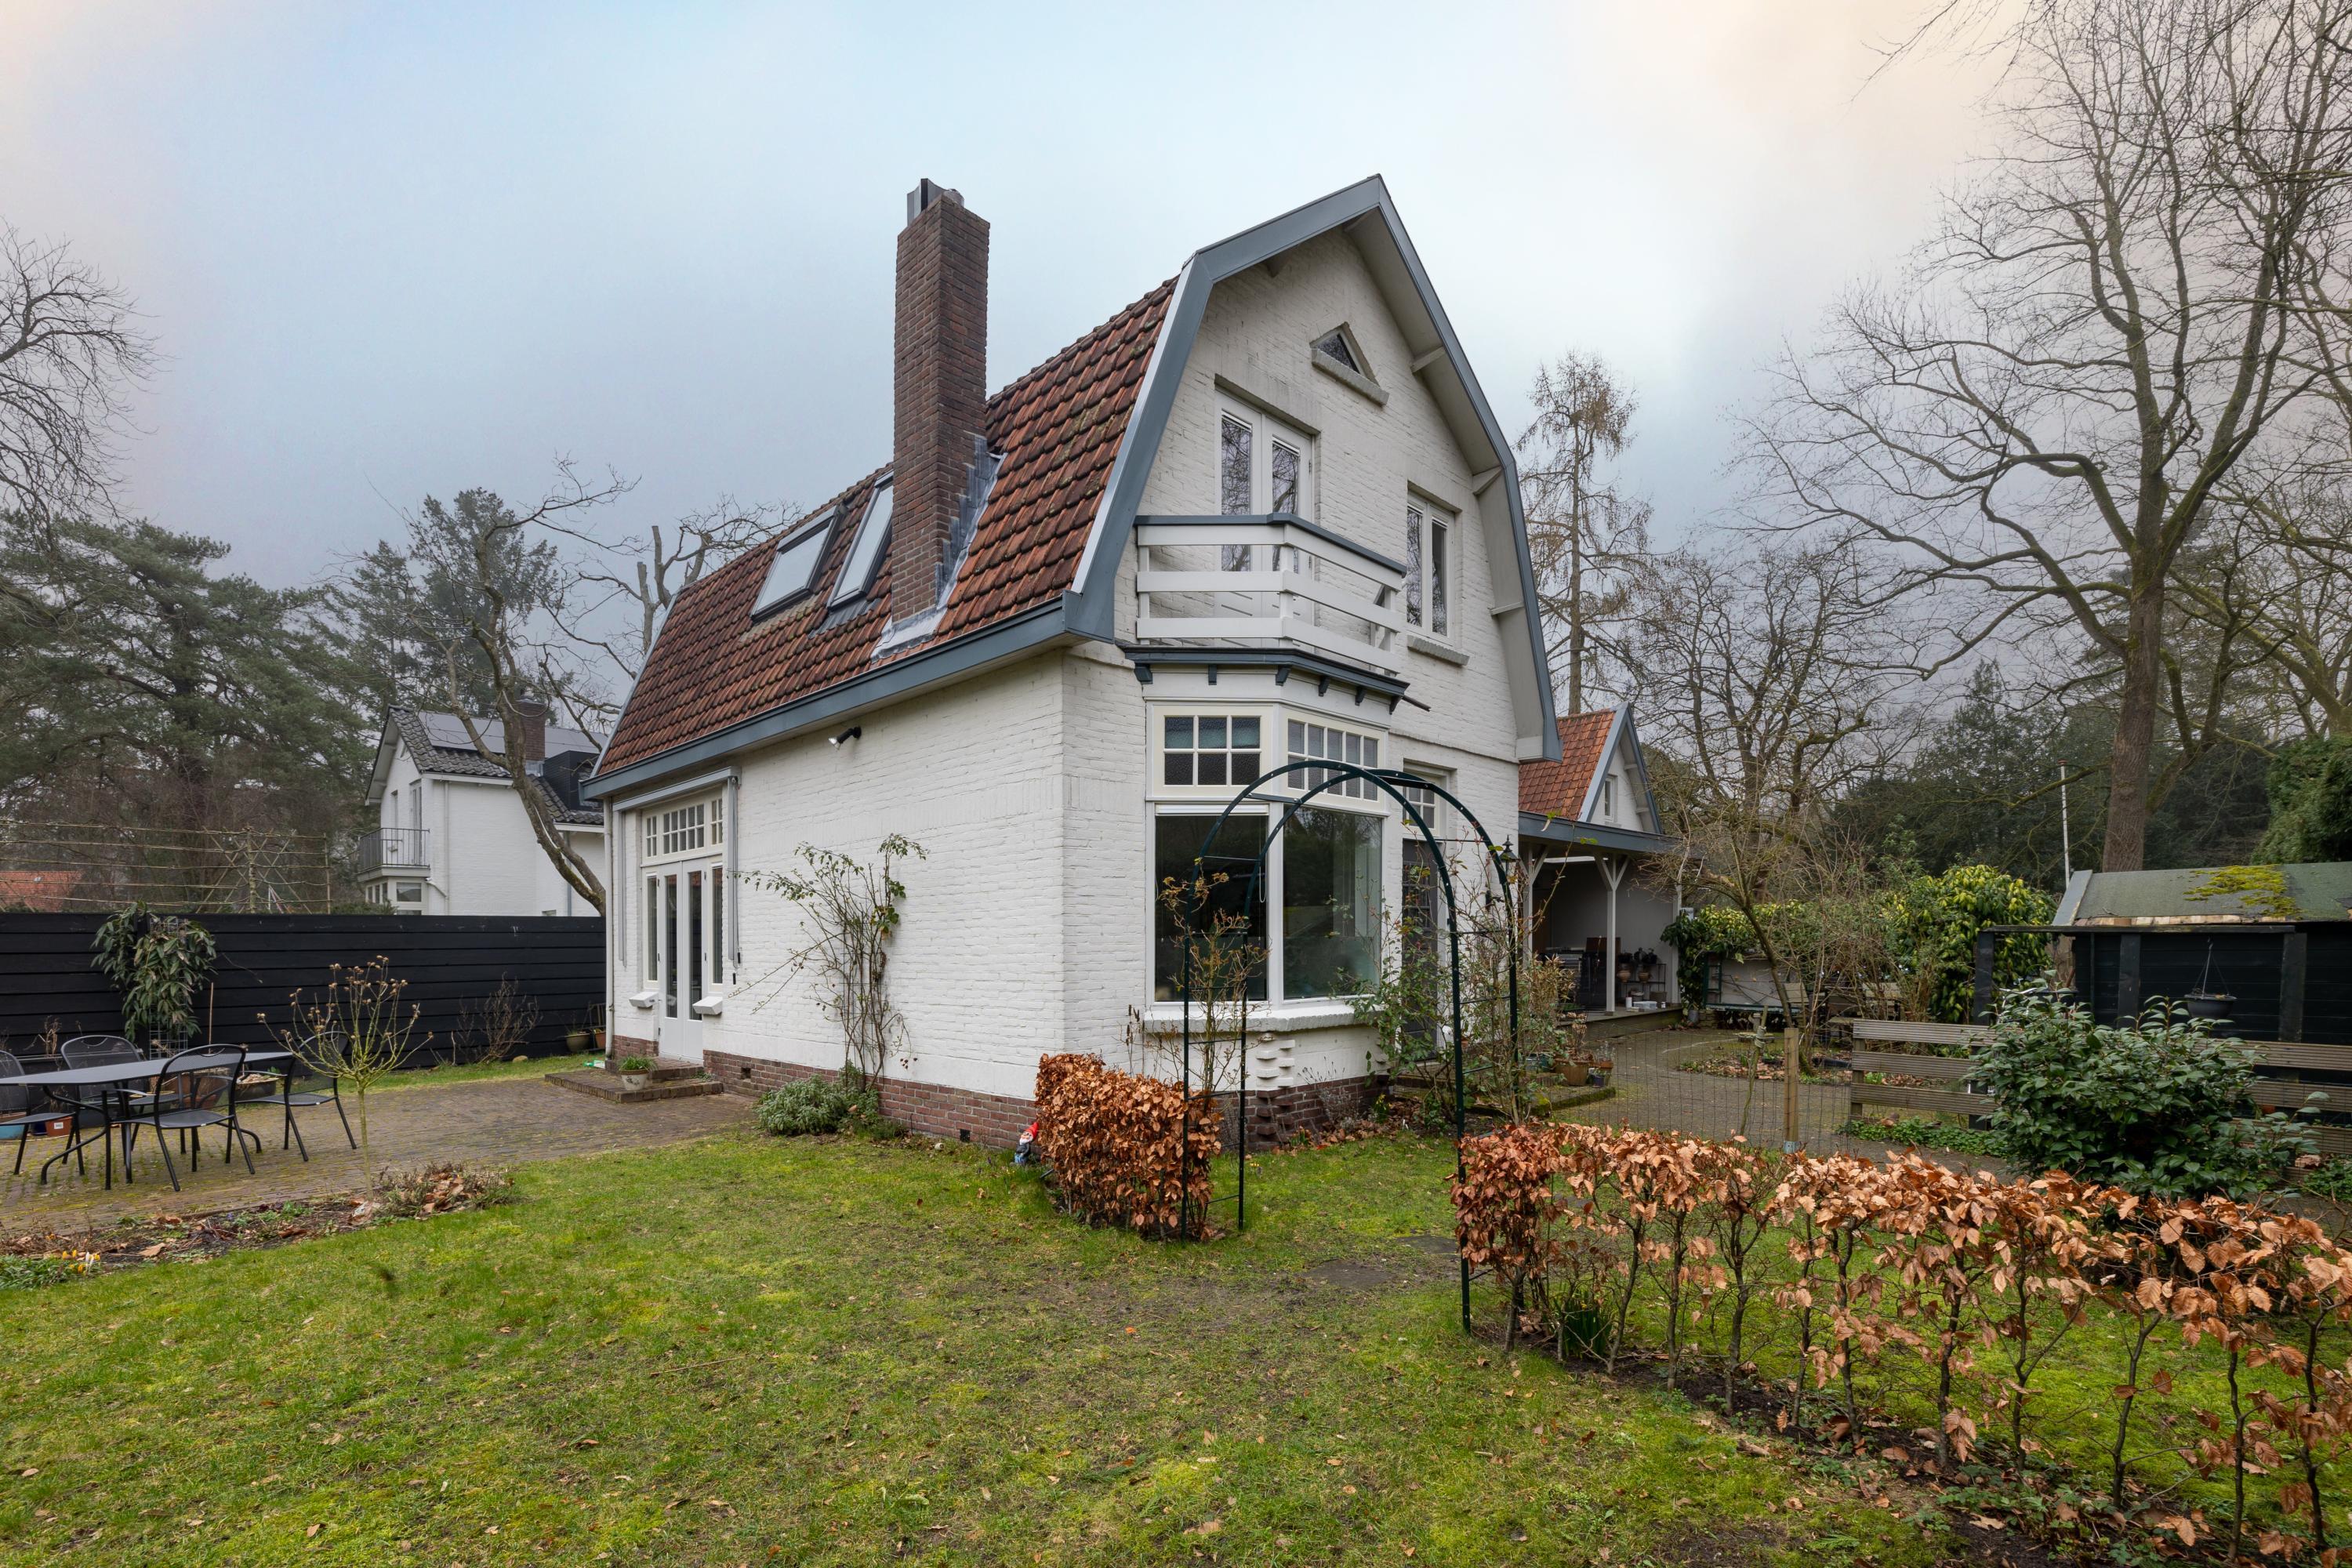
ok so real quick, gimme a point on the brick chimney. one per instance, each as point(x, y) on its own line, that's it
point(941, 387)
point(532, 713)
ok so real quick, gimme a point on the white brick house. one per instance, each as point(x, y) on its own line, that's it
point(451, 838)
point(1264, 512)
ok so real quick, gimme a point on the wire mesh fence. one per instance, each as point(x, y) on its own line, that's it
point(58, 867)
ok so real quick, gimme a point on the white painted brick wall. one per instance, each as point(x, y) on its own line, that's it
point(485, 860)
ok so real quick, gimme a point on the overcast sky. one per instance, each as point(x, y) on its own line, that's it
point(392, 249)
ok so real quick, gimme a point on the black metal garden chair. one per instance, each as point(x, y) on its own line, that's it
point(96, 1051)
point(16, 1108)
point(192, 1099)
point(309, 1083)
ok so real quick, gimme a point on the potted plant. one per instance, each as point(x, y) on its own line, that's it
point(578, 1040)
point(1602, 1068)
point(632, 1072)
point(2203, 1004)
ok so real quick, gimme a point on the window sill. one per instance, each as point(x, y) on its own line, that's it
point(643, 1001)
point(710, 1006)
point(1355, 381)
point(1435, 649)
point(1265, 1018)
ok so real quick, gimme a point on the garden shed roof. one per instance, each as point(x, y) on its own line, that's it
point(2220, 895)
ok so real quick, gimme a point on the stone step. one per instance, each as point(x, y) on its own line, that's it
point(608, 1086)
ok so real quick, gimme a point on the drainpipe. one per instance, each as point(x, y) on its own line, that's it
point(734, 903)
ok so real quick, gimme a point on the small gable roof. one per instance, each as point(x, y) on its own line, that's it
point(1559, 789)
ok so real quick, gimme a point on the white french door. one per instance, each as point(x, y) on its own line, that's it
point(686, 940)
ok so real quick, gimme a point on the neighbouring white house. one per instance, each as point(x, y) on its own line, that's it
point(1262, 513)
point(452, 838)
point(1603, 877)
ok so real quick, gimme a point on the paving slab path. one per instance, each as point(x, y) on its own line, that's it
point(493, 1125)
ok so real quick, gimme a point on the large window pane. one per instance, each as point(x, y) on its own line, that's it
point(1233, 467)
point(1331, 900)
point(1177, 841)
point(1284, 480)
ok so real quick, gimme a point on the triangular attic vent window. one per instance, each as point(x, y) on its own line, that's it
point(1336, 346)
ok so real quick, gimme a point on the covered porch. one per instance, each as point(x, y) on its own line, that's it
point(1598, 899)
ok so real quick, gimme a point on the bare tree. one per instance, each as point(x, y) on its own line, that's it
point(1768, 674)
point(68, 357)
point(641, 575)
point(2105, 327)
point(505, 630)
point(1584, 534)
point(2272, 580)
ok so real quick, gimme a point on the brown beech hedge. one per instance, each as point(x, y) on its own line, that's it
point(1970, 1279)
point(1116, 1143)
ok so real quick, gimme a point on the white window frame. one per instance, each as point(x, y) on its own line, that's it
point(1425, 520)
point(1266, 429)
point(1349, 794)
point(683, 829)
point(1269, 731)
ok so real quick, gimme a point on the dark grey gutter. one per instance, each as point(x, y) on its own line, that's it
point(992, 645)
point(1561, 831)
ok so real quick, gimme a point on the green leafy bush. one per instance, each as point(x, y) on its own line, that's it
point(1936, 920)
point(804, 1106)
point(2149, 1107)
point(160, 964)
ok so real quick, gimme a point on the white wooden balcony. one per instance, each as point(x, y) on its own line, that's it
point(1267, 580)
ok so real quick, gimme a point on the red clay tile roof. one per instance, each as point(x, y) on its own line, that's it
point(1058, 430)
point(1557, 789)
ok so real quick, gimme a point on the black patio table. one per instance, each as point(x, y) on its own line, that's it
point(113, 1081)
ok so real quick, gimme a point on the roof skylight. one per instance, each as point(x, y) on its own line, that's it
point(795, 568)
point(865, 551)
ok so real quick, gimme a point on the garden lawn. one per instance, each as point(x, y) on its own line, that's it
point(764, 1351)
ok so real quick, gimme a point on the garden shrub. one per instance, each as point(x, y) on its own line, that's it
point(1927, 929)
point(804, 1106)
point(1936, 920)
point(2149, 1106)
point(1125, 1150)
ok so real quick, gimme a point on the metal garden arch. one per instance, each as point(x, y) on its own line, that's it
point(1390, 781)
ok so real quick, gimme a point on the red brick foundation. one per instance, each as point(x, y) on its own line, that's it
point(996, 1121)
point(1302, 1108)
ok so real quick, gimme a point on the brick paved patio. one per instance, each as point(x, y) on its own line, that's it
point(496, 1123)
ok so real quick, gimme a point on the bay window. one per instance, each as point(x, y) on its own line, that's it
point(1315, 908)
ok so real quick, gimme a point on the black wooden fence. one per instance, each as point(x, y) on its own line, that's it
point(2290, 982)
point(450, 961)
